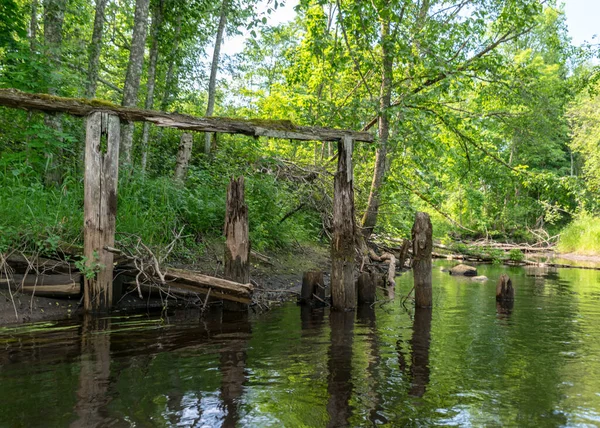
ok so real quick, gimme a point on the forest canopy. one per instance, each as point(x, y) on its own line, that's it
point(485, 116)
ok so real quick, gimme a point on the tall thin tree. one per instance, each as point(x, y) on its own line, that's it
point(95, 49)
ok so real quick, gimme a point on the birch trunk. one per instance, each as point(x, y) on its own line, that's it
point(154, 33)
point(132, 79)
point(214, 68)
point(95, 48)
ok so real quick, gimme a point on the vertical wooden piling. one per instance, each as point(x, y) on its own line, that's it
point(183, 156)
point(102, 142)
point(237, 240)
point(312, 284)
point(422, 232)
point(343, 291)
point(366, 286)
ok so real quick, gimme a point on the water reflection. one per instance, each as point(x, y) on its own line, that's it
point(94, 372)
point(311, 320)
point(339, 381)
point(421, 339)
point(233, 366)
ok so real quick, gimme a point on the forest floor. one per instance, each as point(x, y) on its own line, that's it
point(279, 272)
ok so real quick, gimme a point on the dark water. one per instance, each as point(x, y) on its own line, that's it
point(467, 363)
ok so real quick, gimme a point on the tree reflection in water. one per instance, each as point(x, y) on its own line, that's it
point(339, 381)
point(421, 339)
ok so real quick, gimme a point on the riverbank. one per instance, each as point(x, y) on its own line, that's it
point(276, 275)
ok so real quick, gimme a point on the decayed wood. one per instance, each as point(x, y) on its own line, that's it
point(504, 288)
point(183, 156)
point(237, 239)
point(44, 285)
point(312, 284)
point(100, 207)
point(21, 264)
point(422, 245)
point(366, 286)
point(200, 283)
point(254, 128)
point(343, 290)
point(391, 260)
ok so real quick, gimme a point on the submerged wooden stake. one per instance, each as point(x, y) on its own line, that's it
point(366, 286)
point(100, 207)
point(504, 289)
point(422, 232)
point(343, 291)
point(312, 284)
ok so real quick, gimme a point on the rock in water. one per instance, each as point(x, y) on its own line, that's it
point(504, 289)
point(465, 270)
point(480, 278)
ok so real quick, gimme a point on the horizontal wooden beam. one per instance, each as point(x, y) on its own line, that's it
point(251, 127)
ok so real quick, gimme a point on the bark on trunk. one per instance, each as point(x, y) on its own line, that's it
point(132, 79)
point(343, 290)
point(54, 16)
point(369, 220)
point(151, 82)
point(214, 68)
point(33, 26)
point(95, 48)
point(237, 241)
point(183, 156)
point(422, 248)
point(100, 208)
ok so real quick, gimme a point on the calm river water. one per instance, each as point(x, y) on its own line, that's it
point(466, 363)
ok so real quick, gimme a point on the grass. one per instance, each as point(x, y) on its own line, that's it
point(581, 236)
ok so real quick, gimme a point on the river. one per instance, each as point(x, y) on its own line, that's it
point(467, 362)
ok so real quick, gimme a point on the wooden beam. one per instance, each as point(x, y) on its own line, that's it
point(252, 127)
point(343, 290)
point(100, 207)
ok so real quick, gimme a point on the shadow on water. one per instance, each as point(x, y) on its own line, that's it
point(339, 381)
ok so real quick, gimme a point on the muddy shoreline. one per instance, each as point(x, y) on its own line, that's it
point(279, 272)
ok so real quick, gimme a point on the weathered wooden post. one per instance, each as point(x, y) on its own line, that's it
point(343, 291)
point(366, 286)
point(183, 156)
point(100, 207)
point(504, 288)
point(422, 232)
point(237, 239)
point(312, 285)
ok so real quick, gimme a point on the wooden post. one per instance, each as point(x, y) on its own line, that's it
point(343, 291)
point(183, 156)
point(237, 240)
point(366, 286)
point(100, 207)
point(312, 283)
point(504, 288)
point(422, 246)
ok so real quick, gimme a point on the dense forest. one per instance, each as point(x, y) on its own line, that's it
point(485, 116)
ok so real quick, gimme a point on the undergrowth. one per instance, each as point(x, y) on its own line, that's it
point(581, 236)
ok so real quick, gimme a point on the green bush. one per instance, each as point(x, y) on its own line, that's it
point(581, 236)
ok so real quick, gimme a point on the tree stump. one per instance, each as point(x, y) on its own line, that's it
point(312, 284)
point(237, 240)
point(183, 156)
point(504, 289)
point(343, 252)
point(366, 285)
point(422, 232)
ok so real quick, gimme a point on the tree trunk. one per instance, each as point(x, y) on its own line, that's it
point(343, 291)
point(237, 241)
point(369, 219)
point(366, 286)
point(422, 247)
point(132, 79)
point(212, 84)
point(95, 48)
point(504, 288)
point(100, 208)
point(33, 26)
point(151, 82)
point(54, 16)
point(183, 156)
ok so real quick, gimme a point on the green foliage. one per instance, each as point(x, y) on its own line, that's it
point(516, 255)
point(581, 236)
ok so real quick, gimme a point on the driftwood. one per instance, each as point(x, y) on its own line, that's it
point(200, 283)
point(254, 128)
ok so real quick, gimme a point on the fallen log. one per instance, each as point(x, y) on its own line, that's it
point(200, 283)
point(21, 264)
point(59, 286)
